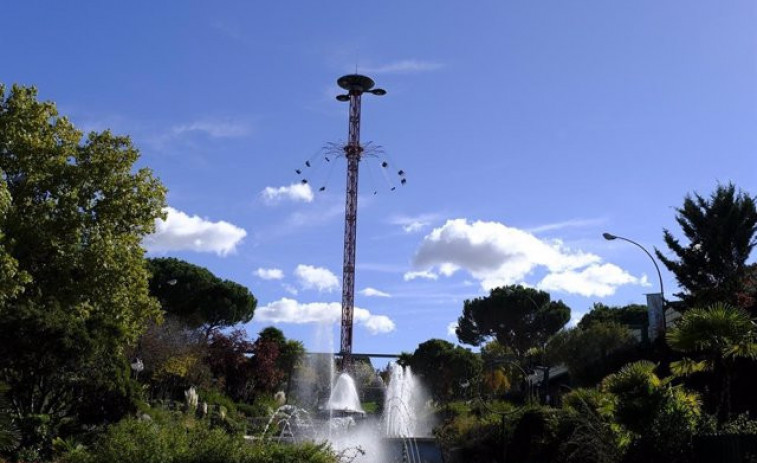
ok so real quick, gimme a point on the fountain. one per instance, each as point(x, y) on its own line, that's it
point(344, 399)
point(401, 434)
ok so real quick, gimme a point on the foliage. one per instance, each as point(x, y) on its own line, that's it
point(8, 432)
point(198, 297)
point(662, 419)
point(633, 315)
point(587, 350)
point(639, 394)
point(227, 358)
point(473, 434)
point(592, 434)
point(518, 318)
point(444, 368)
point(715, 336)
point(189, 442)
point(73, 227)
point(721, 232)
point(275, 358)
point(173, 358)
point(746, 297)
point(536, 435)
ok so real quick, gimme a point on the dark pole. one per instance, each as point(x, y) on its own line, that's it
point(610, 237)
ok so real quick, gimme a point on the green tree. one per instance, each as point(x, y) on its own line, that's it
point(198, 297)
point(662, 419)
point(8, 431)
point(716, 336)
point(74, 217)
point(518, 318)
point(721, 233)
point(587, 350)
point(446, 369)
point(632, 316)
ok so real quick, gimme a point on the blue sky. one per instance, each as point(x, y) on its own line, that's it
point(525, 129)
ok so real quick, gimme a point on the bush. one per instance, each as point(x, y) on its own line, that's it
point(189, 441)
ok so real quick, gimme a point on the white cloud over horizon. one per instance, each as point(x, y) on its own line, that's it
point(373, 292)
point(318, 278)
point(296, 192)
point(269, 273)
point(182, 232)
point(498, 255)
point(287, 310)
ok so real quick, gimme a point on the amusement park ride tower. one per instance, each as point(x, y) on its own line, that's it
point(355, 85)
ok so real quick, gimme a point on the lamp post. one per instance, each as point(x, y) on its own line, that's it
point(610, 237)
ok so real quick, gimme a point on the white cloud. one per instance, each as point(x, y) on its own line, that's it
point(290, 289)
point(451, 330)
point(287, 310)
point(373, 292)
point(214, 128)
point(422, 274)
point(406, 66)
point(573, 223)
point(594, 280)
point(269, 273)
point(498, 255)
point(182, 232)
point(319, 278)
point(414, 224)
point(294, 192)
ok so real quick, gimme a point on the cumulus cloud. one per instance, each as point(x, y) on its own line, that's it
point(498, 255)
point(182, 232)
point(287, 310)
point(269, 273)
point(594, 280)
point(296, 192)
point(425, 274)
point(373, 292)
point(318, 278)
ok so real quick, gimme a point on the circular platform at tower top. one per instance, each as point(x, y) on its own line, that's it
point(355, 82)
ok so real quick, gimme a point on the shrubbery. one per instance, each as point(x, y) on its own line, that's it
point(188, 441)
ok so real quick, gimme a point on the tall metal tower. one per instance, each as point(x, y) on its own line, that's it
point(355, 85)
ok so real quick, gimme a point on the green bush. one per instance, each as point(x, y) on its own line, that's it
point(189, 441)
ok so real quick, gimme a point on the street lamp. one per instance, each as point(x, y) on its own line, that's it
point(610, 237)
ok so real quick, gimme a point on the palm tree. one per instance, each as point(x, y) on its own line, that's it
point(8, 432)
point(715, 336)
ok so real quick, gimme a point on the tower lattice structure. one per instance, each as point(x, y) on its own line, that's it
point(356, 85)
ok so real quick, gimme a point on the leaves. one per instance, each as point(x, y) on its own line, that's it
point(517, 317)
point(73, 213)
point(721, 231)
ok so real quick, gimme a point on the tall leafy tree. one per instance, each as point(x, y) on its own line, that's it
point(633, 315)
point(446, 369)
point(722, 232)
point(199, 298)
point(73, 217)
point(587, 350)
point(518, 318)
